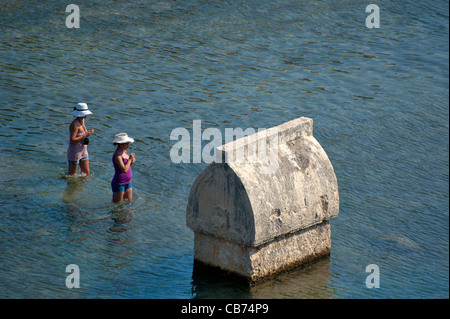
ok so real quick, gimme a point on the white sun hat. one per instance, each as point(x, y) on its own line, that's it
point(122, 138)
point(81, 110)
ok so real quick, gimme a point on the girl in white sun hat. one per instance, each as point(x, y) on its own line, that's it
point(77, 153)
point(121, 183)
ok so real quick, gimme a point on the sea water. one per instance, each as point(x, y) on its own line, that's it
point(378, 98)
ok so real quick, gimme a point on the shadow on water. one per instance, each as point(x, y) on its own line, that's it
point(81, 203)
point(74, 188)
point(102, 232)
point(309, 282)
point(121, 214)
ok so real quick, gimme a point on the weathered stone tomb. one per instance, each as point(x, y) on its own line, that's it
point(256, 222)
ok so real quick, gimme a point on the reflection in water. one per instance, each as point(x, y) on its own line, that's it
point(73, 189)
point(102, 234)
point(121, 213)
point(310, 281)
point(209, 284)
point(116, 256)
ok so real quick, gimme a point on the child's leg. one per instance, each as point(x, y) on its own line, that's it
point(73, 169)
point(117, 197)
point(84, 165)
point(129, 194)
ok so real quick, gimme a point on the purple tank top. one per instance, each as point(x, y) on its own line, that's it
point(119, 177)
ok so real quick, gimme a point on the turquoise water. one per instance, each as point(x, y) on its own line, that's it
point(378, 98)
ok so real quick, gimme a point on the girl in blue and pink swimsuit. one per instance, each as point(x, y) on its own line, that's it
point(121, 183)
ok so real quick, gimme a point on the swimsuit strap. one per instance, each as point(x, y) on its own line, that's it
point(121, 155)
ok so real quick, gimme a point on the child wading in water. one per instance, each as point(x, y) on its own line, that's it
point(77, 153)
point(121, 182)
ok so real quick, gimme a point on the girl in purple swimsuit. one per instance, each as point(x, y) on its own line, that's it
point(77, 153)
point(121, 182)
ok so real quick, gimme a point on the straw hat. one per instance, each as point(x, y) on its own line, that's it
point(81, 110)
point(122, 138)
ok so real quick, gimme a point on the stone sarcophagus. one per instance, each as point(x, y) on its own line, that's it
point(264, 206)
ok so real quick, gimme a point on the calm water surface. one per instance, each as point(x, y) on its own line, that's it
point(378, 97)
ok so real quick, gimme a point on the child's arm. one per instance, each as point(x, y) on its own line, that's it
point(123, 167)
